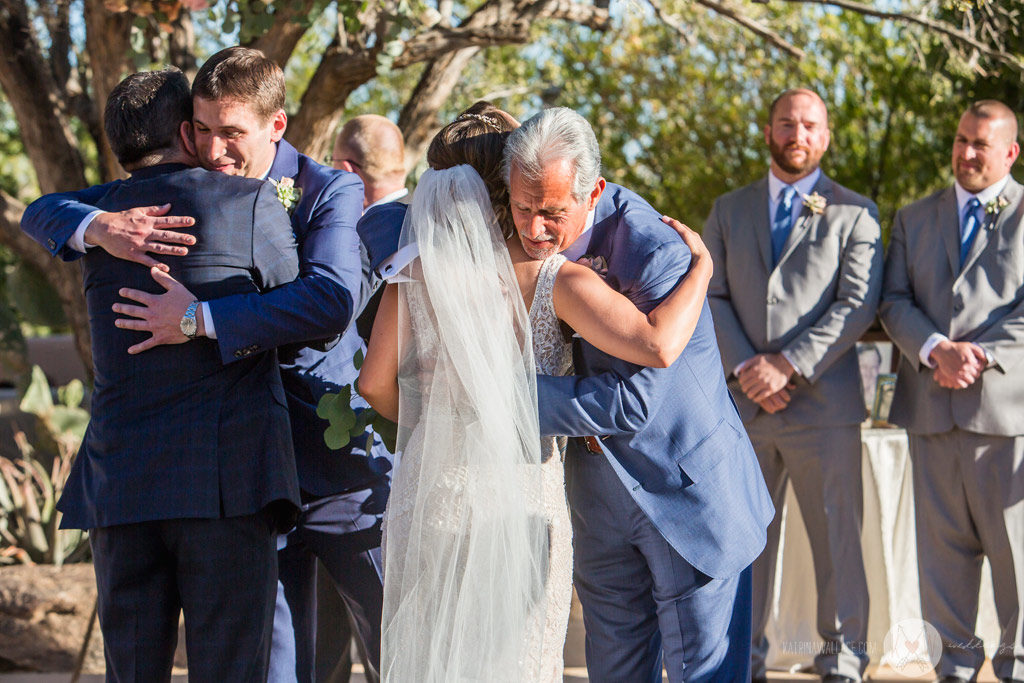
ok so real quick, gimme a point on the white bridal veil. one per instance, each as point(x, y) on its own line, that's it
point(464, 559)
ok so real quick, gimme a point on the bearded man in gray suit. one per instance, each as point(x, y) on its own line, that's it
point(798, 264)
point(953, 302)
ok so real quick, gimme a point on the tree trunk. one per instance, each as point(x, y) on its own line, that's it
point(107, 41)
point(418, 119)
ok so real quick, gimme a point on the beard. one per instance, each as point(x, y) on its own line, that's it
point(778, 153)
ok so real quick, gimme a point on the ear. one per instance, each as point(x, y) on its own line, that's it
point(768, 134)
point(595, 194)
point(188, 142)
point(1014, 153)
point(278, 125)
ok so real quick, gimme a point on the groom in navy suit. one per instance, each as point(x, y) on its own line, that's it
point(187, 464)
point(669, 507)
point(238, 127)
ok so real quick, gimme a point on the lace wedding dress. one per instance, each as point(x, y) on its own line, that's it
point(477, 554)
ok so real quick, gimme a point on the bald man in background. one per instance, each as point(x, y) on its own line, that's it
point(953, 302)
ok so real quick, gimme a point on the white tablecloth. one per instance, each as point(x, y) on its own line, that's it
point(890, 561)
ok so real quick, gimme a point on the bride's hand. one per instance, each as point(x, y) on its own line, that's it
point(692, 239)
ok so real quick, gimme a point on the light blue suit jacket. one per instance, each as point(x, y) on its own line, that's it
point(672, 435)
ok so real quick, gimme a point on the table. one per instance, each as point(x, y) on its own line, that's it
point(890, 562)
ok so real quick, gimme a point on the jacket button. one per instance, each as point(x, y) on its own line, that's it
point(238, 353)
point(50, 243)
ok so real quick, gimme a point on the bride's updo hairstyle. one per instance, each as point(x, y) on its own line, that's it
point(477, 137)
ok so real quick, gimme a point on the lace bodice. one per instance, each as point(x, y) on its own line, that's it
point(551, 352)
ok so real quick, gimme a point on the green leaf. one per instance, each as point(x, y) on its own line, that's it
point(387, 431)
point(72, 393)
point(37, 399)
point(69, 421)
point(336, 438)
point(357, 361)
point(325, 407)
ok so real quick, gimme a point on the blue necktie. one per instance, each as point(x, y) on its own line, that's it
point(971, 222)
point(783, 222)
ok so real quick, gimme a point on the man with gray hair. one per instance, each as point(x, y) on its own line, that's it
point(668, 504)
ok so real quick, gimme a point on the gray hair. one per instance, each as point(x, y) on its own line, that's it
point(550, 136)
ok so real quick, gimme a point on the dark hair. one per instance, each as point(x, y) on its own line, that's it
point(243, 74)
point(477, 137)
point(144, 113)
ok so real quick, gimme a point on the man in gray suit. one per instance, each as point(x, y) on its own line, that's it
point(798, 261)
point(954, 304)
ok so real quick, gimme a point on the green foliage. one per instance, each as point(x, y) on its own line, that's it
point(29, 490)
point(346, 423)
point(33, 297)
point(682, 124)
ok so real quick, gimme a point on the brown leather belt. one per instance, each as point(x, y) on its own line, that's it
point(589, 443)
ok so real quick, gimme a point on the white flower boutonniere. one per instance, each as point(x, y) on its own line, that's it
point(994, 206)
point(287, 193)
point(815, 202)
point(598, 264)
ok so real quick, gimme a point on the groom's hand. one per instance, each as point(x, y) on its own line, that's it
point(134, 233)
point(159, 314)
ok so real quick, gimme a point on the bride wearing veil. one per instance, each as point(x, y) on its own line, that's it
point(477, 554)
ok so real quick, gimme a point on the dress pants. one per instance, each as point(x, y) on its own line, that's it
point(824, 464)
point(969, 503)
point(221, 572)
point(641, 600)
point(344, 532)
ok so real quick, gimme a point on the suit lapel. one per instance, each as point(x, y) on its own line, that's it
point(806, 219)
point(286, 162)
point(758, 204)
point(992, 224)
point(948, 223)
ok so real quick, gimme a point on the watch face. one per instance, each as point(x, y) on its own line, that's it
point(188, 327)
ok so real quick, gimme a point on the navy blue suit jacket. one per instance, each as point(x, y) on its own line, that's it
point(672, 435)
point(174, 432)
point(320, 304)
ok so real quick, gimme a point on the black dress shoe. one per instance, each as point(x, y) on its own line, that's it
point(761, 679)
point(951, 679)
point(836, 678)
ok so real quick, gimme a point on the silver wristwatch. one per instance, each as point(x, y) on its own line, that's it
point(188, 325)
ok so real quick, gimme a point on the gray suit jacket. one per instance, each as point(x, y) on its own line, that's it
point(926, 291)
point(814, 304)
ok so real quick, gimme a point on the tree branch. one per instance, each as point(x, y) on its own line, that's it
point(941, 27)
point(418, 120)
point(746, 22)
point(66, 278)
point(280, 39)
point(107, 42)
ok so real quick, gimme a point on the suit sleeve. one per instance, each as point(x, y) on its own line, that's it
point(733, 343)
point(621, 400)
point(1004, 339)
point(855, 304)
point(52, 219)
point(317, 305)
point(275, 256)
point(907, 325)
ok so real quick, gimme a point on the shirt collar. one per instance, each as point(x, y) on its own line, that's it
point(803, 186)
point(579, 247)
point(985, 196)
point(394, 196)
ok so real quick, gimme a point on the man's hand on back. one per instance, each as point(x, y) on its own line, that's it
point(159, 314)
point(130, 234)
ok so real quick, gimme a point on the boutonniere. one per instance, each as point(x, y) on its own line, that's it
point(994, 206)
point(815, 202)
point(287, 193)
point(598, 264)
